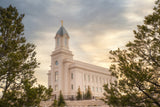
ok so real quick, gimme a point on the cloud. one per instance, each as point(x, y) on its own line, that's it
point(94, 26)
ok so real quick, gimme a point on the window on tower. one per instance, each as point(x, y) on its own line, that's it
point(58, 41)
point(65, 41)
point(56, 62)
point(71, 75)
point(56, 76)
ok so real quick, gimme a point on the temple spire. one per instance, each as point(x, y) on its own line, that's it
point(61, 22)
point(62, 38)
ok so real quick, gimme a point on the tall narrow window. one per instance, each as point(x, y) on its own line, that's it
point(92, 78)
point(56, 62)
point(88, 78)
point(84, 77)
point(96, 79)
point(93, 88)
point(58, 41)
point(66, 41)
point(100, 79)
point(100, 89)
point(56, 87)
point(72, 86)
point(71, 75)
point(56, 76)
point(85, 88)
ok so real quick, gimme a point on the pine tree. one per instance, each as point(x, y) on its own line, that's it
point(79, 94)
point(88, 94)
point(137, 68)
point(17, 63)
point(61, 102)
point(55, 104)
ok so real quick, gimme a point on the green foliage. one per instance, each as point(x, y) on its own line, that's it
point(17, 64)
point(55, 104)
point(137, 67)
point(79, 94)
point(88, 94)
point(61, 102)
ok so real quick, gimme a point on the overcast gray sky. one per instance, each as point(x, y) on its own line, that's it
point(94, 26)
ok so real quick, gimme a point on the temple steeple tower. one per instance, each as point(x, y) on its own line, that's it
point(62, 38)
point(61, 58)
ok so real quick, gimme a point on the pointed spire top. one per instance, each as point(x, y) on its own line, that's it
point(61, 22)
point(62, 31)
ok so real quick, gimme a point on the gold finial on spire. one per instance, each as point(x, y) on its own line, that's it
point(62, 22)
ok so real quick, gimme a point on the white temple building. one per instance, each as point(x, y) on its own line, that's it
point(67, 74)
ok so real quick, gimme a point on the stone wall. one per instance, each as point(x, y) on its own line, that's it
point(82, 103)
point(86, 103)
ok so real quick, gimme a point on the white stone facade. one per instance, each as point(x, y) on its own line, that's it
point(67, 74)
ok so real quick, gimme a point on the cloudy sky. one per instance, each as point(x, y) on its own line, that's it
point(94, 26)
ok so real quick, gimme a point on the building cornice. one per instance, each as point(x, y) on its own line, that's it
point(89, 67)
point(62, 51)
point(68, 61)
